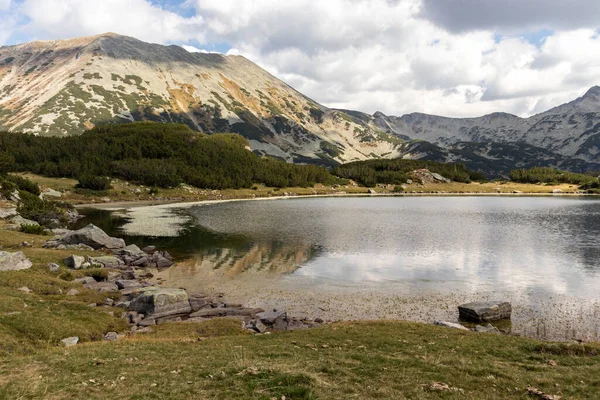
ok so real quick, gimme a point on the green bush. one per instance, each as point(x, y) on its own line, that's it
point(32, 229)
point(6, 162)
point(46, 213)
point(91, 182)
point(398, 189)
point(24, 184)
point(551, 176)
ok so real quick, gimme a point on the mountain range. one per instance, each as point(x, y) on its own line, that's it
point(64, 87)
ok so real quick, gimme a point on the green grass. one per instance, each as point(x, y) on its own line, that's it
point(374, 360)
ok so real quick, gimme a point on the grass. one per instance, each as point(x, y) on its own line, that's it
point(219, 360)
point(372, 360)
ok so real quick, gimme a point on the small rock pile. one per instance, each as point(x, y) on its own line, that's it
point(427, 177)
point(147, 305)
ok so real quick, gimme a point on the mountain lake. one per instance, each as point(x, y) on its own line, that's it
point(355, 258)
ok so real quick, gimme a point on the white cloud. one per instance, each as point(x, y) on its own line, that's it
point(139, 18)
point(457, 58)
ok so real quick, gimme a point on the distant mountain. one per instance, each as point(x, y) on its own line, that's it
point(567, 136)
point(65, 87)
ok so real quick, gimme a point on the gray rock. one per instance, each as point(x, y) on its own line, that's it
point(86, 280)
point(109, 302)
point(269, 317)
point(131, 250)
point(73, 292)
point(163, 262)
point(61, 232)
point(161, 302)
point(111, 336)
point(149, 249)
point(18, 220)
point(198, 302)
point(25, 289)
point(14, 261)
point(102, 287)
point(52, 193)
point(487, 329)
point(451, 325)
point(70, 341)
point(225, 312)
point(128, 284)
point(140, 262)
point(74, 262)
point(94, 237)
point(147, 322)
point(485, 311)
point(14, 196)
point(439, 177)
point(106, 261)
point(80, 246)
point(7, 212)
point(256, 326)
point(52, 267)
point(372, 191)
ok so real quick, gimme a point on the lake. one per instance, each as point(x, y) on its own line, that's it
point(412, 258)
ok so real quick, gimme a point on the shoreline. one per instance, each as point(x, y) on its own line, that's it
point(184, 202)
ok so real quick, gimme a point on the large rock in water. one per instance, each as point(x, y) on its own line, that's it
point(485, 311)
point(94, 237)
point(13, 261)
point(160, 302)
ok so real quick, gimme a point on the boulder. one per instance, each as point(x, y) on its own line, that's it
point(94, 237)
point(372, 191)
point(485, 311)
point(269, 317)
point(160, 302)
point(111, 336)
point(52, 193)
point(74, 262)
point(70, 341)
point(73, 292)
point(52, 267)
point(80, 247)
point(439, 177)
point(256, 326)
point(198, 302)
point(149, 249)
point(102, 287)
point(489, 328)
point(24, 289)
point(106, 261)
point(128, 284)
point(7, 212)
point(14, 261)
point(451, 325)
point(163, 262)
point(131, 250)
point(19, 221)
point(86, 280)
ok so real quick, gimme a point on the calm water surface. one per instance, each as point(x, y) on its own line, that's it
point(541, 253)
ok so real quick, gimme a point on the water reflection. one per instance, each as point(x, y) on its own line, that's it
point(540, 253)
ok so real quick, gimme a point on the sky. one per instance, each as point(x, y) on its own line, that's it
point(446, 57)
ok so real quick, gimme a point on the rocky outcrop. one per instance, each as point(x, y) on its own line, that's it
point(485, 311)
point(14, 261)
point(19, 221)
point(160, 302)
point(92, 236)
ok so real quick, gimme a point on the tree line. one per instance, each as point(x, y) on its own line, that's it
point(153, 154)
point(552, 176)
point(395, 172)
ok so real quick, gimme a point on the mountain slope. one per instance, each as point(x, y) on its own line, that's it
point(570, 131)
point(65, 87)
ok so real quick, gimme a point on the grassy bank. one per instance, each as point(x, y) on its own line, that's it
point(347, 360)
point(124, 191)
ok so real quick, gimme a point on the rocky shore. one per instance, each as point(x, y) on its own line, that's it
point(146, 303)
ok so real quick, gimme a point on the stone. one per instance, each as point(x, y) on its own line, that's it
point(140, 262)
point(86, 280)
point(14, 261)
point(111, 336)
point(70, 341)
point(225, 312)
point(19, 221)
point(106, 261)
point(160, 302)
point(256, 326)
point(52, 193)
point(26, 245)
point(489, 328)
point(451, 325)
point(163, 262)
point(198, 302)
point(94, 237)
point(372, 191)
point(52, 267)
point(14, 196)
point(147, 322)
point(74, 262)
point(439, 177)
point(25, 289)
point(7, 212)
point(270, 317)
point(128, 284)
point(80, 246)
point(485, 311)
point(149, 249)
point(146, 329)
point(73, 292)
point(557, 191)
point(102, 287)
point(109, 302)
point(131, 250)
